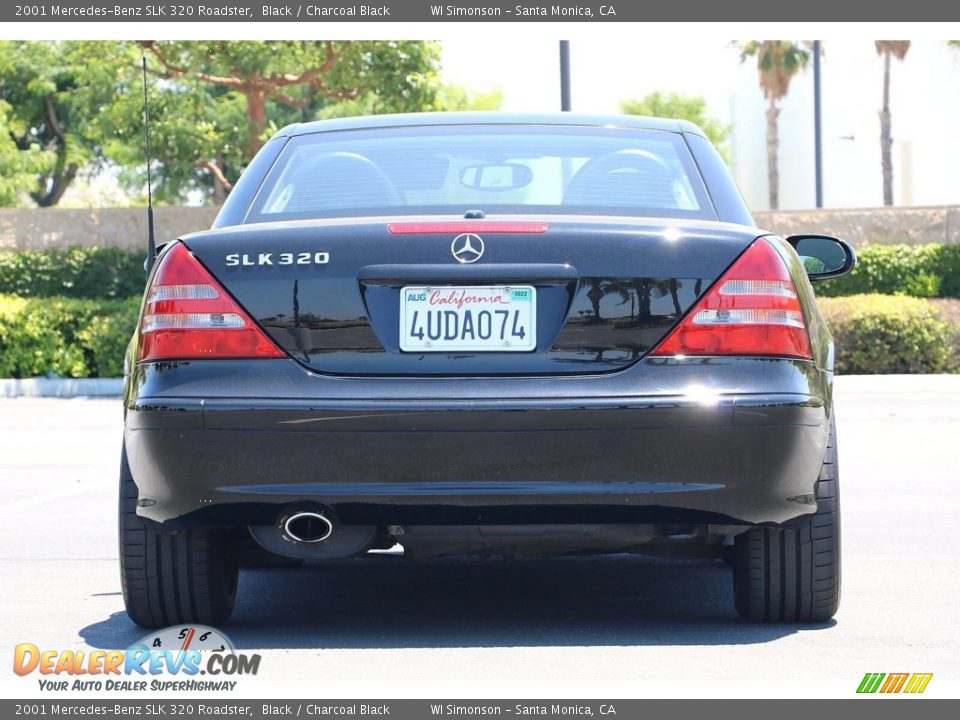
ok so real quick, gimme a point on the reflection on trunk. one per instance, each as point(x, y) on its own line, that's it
point(596, 295)
point(616, 320)
point(675, 296)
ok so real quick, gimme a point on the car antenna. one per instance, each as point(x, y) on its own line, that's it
point(151, 240)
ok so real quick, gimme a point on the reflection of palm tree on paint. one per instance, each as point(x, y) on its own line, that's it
point(623, 289)
point(599, 289)
point(595, 295)
point(639, 292)
point(675, 296)
point(645, 289)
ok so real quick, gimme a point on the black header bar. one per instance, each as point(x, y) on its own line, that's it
point(197, 706)
point(420, 11)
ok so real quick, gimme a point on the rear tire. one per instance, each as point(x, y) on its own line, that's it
point(172, 578)
point(792, 574)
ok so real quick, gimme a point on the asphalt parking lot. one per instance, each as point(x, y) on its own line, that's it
point(621, 625)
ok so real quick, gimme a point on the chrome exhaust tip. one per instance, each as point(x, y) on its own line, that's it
point(307, 527)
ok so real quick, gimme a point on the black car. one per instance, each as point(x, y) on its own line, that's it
point(482, 334)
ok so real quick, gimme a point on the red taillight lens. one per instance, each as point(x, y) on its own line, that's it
point(188, 315)
point(752, 310)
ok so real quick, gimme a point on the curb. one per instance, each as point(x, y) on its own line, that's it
point(62, 387)
point(912, 384)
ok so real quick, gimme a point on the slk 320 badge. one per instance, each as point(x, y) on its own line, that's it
point(269, 258)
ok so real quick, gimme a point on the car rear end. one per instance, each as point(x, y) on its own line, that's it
point(616, 365)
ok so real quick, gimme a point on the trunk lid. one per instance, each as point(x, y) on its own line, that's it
point(607, 289)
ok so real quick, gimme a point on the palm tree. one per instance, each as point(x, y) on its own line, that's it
point(777, 62)
point(888, 49)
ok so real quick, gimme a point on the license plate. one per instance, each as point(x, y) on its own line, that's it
point(469, 318)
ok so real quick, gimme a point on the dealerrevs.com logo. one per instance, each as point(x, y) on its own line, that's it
point(179, 658)
point(891, 683)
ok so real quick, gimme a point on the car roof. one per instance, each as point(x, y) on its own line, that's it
point(439, 119)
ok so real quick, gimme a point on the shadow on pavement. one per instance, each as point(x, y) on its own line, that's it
point(386, 601)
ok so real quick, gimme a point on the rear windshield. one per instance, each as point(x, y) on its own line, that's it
point(500, 169)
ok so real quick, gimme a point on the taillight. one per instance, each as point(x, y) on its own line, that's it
point(752, 310)
point(188, 315)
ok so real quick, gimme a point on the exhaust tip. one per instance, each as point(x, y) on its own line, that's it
point(307, 527)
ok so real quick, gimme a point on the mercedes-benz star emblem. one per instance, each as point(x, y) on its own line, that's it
point(467, 248)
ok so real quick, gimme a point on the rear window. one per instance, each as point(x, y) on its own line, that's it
point(498, 169)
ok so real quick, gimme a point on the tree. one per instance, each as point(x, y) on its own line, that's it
point(36, 83)
point(681, 107)
point(777, 62)
point(455, 98)
point(887, 49)
point(19, 167)
point(213, 103)
point(258, 87)
point(449, 98)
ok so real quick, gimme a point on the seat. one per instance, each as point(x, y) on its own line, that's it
point(626, 178)
point(335, 180)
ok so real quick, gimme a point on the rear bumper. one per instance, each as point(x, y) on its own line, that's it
point(701, 456)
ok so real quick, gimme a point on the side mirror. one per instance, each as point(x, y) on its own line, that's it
point(824, 256)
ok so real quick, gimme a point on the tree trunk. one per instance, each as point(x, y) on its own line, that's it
point(48, 196)
point(773, 143)
point(886, 138)
point(257, 115)
point(52, 188)
point(221, 186)
point(220, 189)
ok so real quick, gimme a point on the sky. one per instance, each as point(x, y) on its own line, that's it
point(602, 72)
point(925, 100)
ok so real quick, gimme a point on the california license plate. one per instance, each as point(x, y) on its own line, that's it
point(469, 318)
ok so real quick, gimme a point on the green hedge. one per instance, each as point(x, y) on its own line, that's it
point(931, 270)
point(66, 337)
point(882, 334)
point(74, 273)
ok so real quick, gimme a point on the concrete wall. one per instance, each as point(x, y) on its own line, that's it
point(914, 226)
point(127, 227)
point(104, 227)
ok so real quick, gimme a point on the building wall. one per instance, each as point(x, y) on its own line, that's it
point(925, 100)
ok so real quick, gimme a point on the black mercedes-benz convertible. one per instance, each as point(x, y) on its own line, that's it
point(482, 334)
